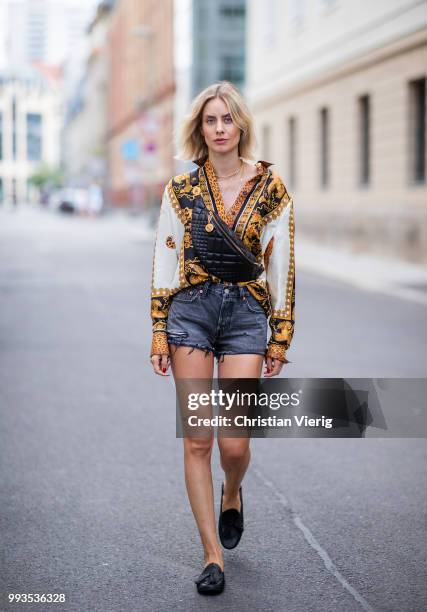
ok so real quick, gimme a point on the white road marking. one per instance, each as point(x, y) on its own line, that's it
point(330, 566)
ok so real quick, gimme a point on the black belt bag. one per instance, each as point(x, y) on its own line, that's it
point(220, 251)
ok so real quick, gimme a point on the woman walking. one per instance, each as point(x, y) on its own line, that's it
point(223, 266)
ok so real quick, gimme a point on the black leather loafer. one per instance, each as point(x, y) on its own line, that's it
point(230, 523)
point(211, 581)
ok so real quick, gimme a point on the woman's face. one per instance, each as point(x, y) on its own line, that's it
point(220, 133)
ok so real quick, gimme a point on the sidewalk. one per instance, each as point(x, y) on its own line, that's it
point(369, 272)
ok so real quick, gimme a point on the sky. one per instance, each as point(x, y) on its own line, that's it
point(62, 15)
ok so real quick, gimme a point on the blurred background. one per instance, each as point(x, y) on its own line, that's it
point(91, 94)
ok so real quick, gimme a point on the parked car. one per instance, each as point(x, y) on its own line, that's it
point(69, 200)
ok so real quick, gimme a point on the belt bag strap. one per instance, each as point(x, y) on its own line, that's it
point(220, 251)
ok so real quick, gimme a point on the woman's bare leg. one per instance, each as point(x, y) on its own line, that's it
point(197, 456)
point(235, 452)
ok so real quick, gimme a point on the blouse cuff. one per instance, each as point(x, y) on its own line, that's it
point(277, 351)
point(159, 344)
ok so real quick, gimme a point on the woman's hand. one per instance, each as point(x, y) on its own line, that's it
point(160, 364)
point(273, 367)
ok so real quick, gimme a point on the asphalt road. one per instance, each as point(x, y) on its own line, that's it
point(93, 502)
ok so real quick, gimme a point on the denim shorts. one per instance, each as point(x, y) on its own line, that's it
point(219, 318)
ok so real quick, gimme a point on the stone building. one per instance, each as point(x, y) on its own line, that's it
point(338, 90)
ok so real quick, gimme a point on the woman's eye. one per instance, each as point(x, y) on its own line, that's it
point(228, 120)
point(210, 120)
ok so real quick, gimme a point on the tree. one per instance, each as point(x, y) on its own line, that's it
point(47, 177)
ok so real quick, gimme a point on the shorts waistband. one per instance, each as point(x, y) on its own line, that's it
point(232, 288)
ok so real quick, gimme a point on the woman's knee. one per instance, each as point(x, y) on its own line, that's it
point(200, 447)
point(233, 450)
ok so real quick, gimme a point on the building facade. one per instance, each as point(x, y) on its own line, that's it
point(209, 46)
point(338, 90)
point(30, 126)
point(140, 93)
point(183, 70)
point(218, 38)
point(85, 131)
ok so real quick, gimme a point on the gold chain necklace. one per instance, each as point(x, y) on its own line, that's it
point(234, 191)
point(233, 188)
point(229, 175)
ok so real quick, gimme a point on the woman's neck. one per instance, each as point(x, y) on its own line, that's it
point(225, 163)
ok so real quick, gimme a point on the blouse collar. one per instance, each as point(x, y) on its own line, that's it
point(202, 160)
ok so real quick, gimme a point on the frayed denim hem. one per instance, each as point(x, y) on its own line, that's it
point(206, 350)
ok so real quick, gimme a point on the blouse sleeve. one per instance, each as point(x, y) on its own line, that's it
point(165, 272)
point(277, 241)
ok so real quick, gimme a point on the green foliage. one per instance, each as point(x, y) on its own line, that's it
point(46, 176)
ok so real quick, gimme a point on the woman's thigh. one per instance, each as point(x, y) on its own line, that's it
point(247, 365)
point(196, 363)
point(193, 374)
point(235, 438)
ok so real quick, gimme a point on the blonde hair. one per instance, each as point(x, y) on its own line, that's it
point(191, 141)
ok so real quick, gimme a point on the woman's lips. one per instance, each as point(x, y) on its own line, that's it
point(220, 140)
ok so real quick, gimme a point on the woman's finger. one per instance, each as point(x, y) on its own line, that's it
point(164, 364)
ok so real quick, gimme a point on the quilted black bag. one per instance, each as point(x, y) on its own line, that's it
point(220, 250)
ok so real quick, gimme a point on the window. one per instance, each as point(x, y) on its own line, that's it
point(266, 144)
point(364, 140)
point(297, 12)
point(14, 194)
point(292, 144)
point(1, 136)
point(324, 147)
point(417, 125)
point(326, 6)
point(14, 128)
point(232, 69)
point(232, 11)
point(269, 20)
point(34, 137)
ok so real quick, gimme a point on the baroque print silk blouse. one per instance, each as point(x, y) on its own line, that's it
point(262, 216)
